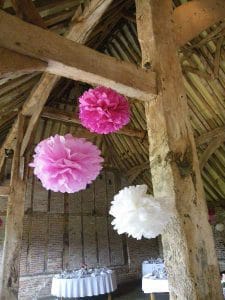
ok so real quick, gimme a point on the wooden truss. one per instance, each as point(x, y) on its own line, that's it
point(188, 243)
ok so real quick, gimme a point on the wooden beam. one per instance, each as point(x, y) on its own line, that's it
point(12, 62)
point(134, 172)
point(191, 18)
point(9, 283)
point(33, 106)
point(71, 118)
point(18, 64)
point(200, 14)
point(84, 22)
point(26, 10)
point(2, 3)
point(212, 147)
point(210, 135)
point(188, 244)
point(75, 61)
point(4, 191)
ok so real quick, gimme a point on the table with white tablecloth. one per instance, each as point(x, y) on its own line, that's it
point(84, 286)
point(150, 267)
point(154, 285)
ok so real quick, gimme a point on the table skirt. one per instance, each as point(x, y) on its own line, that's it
point(82, 287)
point(154, 285)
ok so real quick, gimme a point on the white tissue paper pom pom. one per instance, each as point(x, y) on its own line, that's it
point(220, 227)
point(139, 214)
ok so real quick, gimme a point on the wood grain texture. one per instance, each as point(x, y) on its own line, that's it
point(75, 61)
point(191, 18)
point(26, 10)
point(17, 64)
point(9, 283)
point(187, 241)
point(72, 118)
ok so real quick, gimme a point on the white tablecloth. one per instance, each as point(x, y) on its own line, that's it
point(85, 286)
point(154, 285)
point(150, 267)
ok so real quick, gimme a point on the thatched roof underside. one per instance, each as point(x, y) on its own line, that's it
point(116, 35)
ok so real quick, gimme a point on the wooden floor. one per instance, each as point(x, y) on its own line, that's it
point(131, 291)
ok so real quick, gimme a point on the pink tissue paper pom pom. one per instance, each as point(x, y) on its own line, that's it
point(66, 164)
point(102, 110)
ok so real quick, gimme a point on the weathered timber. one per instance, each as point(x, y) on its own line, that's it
point(191, 18)
point(134, 172)
point(4, 191)
point(71, 118)
point(207, 137)
point(39, 95)
point(187, 241)
point(201, 14)
point(70, 59)
point(9, 280)
point(83, 23)
point(17, 64)
point(25, 9)
point(211, 148)
point(33, 107)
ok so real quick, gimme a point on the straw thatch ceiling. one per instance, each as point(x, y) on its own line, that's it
point(203, 65)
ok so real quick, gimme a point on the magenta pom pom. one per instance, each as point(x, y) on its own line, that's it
point(103, 110)
point(66, 164)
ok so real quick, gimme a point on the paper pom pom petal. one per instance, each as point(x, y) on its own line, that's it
point(102, 110)
point(139, 214)
point(66, 164)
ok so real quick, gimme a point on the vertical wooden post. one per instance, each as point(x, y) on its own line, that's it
point(9, 280)
point(187, 242)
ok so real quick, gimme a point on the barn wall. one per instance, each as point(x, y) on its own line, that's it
point(220, 238)
point(64, 231)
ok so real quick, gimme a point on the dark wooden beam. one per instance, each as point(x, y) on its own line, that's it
point(26, 10)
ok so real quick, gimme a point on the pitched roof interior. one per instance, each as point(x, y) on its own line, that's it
point(116, 35)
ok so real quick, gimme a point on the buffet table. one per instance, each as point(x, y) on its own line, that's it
point(88, 285)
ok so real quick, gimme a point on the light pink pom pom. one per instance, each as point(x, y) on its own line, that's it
point(66, 164)
point(103, 110)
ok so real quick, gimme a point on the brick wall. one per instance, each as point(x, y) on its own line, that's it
point(64, 231)
point(220, 238)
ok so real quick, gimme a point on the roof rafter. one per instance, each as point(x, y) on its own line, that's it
point(26, 10)
point(201, 14)
point(212, 147)
point(39, 95)
point(71, 118)
point(210, 135)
